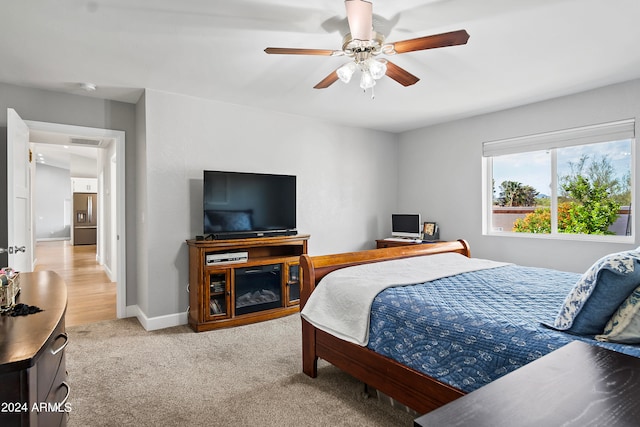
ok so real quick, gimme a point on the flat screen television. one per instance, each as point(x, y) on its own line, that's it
point(406, 225)
point(242, 205)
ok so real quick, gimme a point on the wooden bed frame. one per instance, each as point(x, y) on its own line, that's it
point(408, 386)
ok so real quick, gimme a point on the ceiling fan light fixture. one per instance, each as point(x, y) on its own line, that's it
point(377, 68)
point(366, 80)
point(346, 72)
point(363, 44)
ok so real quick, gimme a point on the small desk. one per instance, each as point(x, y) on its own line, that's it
point(577, 385)
point(384, 243)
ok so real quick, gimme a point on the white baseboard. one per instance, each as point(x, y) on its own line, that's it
point(158, 322)
point(109, 273)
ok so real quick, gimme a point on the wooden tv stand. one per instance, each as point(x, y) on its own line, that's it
point(230, 293)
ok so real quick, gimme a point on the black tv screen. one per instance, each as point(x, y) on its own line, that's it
point(239, 204)
point(406, 225)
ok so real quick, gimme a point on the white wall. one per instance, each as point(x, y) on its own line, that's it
point(83, 167)
point(441, 173)
point(52, 192)
point(347, 180)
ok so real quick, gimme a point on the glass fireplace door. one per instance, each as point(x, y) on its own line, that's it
point(258, 288)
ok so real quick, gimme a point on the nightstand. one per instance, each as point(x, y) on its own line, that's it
point(384, 243)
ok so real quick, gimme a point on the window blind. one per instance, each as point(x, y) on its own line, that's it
point(605, 132)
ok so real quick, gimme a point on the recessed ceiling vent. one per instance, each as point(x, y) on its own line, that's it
point(87, 142)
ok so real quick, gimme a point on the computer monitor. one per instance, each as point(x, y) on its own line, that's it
point(406, 225)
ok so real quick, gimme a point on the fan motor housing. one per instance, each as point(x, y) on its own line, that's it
point(352, 46)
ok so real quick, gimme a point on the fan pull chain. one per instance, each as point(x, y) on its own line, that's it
point(373, 94)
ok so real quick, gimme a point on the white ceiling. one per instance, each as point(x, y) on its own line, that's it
point(63, 156)
point(520, 51)
point(63, 150)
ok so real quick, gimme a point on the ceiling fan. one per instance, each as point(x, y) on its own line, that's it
point(363, 44)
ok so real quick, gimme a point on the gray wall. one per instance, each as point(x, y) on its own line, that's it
point(449, 189)
point(142, 256)
point(52, 188)
point(349, 181)
point(54, 107)
point(346, 181)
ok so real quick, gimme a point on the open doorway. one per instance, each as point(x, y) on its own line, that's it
point(107, 146)
point(91, 294)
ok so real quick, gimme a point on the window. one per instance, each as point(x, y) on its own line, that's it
point(571, 184)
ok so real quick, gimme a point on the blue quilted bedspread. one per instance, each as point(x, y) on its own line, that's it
point(470, 329)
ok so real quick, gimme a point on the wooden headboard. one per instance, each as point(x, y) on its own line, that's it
point(316, 267)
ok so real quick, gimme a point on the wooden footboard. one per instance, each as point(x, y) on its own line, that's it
point(408, 386)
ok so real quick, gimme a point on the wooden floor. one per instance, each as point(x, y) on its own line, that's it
point(91, 295)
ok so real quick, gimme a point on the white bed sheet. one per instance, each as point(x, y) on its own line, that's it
point(341, 303)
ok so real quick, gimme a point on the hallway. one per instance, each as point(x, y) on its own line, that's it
point(91, 296)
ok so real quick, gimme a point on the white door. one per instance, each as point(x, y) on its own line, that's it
point(20, 245)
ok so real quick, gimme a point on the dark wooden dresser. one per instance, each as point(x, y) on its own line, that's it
point(33, 387)
point(577, 385)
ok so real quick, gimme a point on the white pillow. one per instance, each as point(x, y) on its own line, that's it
point(624, 325)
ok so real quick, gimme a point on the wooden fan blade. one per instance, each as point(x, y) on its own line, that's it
point(400, 75)
point(299, 51)
point(327, 81)
point(360, 18)
point(431, 42)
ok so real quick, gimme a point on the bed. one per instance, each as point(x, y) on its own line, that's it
point(425, 340)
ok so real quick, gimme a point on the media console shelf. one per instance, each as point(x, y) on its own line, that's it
point(246, 280)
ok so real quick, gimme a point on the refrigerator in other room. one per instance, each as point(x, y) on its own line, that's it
point(85, 218)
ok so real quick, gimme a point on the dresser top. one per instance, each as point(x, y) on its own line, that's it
point(578, 385)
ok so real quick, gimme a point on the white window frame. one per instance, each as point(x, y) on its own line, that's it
point(605, 132)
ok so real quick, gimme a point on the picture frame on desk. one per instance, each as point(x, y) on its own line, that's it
point(430, 231)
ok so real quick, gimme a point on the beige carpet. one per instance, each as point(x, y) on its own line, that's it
point(121, 375)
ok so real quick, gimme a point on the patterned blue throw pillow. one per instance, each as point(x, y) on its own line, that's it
point(624, 326)
point(598, 293)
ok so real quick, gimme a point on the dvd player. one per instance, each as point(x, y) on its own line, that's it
point(226, 258)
